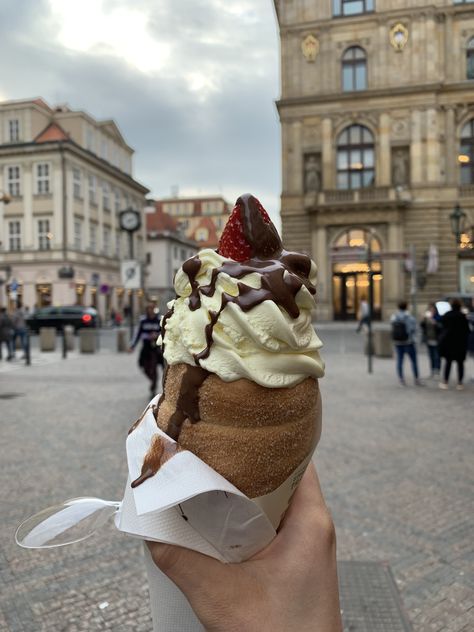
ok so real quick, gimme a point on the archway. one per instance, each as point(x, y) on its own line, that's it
point(350, 280)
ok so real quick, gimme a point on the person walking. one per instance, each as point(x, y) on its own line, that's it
point(148, 331)
point(431, 328)
point(6, 333)
point(403, 337)
point(364, 314)
point(453, 343)
point(19, 328)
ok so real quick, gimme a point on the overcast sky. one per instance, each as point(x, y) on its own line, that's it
point(190, 83)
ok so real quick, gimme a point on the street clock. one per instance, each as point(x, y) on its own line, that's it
point(130, 220)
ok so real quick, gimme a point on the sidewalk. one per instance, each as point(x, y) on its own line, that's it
point(395, 464)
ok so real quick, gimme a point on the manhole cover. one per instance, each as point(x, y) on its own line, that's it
point(10, 395)
point(370, 601)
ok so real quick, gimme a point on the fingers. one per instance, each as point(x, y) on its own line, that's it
point(189, 570)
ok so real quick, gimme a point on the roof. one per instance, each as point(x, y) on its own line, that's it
point(52, 132)
point(160, 221)
point(213, 240)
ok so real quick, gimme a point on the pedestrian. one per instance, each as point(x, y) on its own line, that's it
point(403, 337)
point(150, 357)
point(364, 314)
point(19, 328)
point(431, 328)
point(291, 585)
point(6, 332)
point(453, 343)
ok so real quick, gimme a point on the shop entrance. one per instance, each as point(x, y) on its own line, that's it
point(350, 281)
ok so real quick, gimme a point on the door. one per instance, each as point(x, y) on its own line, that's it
point(345, 296)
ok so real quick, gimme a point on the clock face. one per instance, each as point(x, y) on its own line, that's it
point(130, 220)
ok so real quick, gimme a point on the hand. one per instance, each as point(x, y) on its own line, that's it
point(290, 586)
point(130, 350)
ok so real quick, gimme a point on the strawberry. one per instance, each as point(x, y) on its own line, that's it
point(232, 243)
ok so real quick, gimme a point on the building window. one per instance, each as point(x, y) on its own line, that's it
point(78, 234)
point(92, 190)
point(117, 200)
point(354, 69)
point(470, 59)
point(466, 153)
point(13, 181)
point(44, 234)
point(148, 259)
point(14, 235)
point(183, 254)
point(352, 7)
point(106, 240)
point(202, 234)
point(77, 183)
point(118, 244)
point(106, 196)
point(463, 1)
point(14, 130)
point(93, 238)
point(175, 252)
point(355, 158)
point(42, 179)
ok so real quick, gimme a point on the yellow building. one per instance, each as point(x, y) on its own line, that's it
point(67, 176)
point(377, 123)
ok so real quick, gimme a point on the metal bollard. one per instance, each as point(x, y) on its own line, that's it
point(28, 349)
point(64, 343)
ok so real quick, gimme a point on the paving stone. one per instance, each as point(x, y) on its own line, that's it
point(395, 465)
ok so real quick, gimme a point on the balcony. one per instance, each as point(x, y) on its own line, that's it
point(393, 197)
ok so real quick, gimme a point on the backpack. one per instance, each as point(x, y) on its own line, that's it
point(399, 331)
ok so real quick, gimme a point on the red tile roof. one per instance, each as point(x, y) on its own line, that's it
point(213, 240)
point(52, 132)
point(160, 221)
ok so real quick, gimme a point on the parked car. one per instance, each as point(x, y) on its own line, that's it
point(58, 317)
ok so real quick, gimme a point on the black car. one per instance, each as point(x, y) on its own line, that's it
point(74, 315)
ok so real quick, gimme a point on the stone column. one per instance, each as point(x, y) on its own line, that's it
point(328, 158)
point(416, 148)
point(448, 46)
point(320, 253)
point(393, 281)
point(383, 171)
point(432, 158)
point(451, 148)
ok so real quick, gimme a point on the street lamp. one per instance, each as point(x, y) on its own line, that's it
point(457, 219)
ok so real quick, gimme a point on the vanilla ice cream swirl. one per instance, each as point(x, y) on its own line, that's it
point(245, 320)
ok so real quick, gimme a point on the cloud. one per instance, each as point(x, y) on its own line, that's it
point(195, 99)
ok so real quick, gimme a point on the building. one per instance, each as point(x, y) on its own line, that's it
point(377, 124)
point(67, 176)
point(202, 219)
point(166, 250)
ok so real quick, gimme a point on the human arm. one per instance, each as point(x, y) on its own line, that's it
point(290, 586)
point(136, 337)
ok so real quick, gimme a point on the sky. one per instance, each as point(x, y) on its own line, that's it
point(191, 84)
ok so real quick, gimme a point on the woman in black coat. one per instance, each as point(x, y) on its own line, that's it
point(453, 342)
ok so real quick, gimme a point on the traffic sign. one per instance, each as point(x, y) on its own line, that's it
point(131, 277)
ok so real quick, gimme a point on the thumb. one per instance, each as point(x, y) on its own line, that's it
point(189, 570)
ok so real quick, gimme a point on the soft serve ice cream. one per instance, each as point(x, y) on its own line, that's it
point(241, 388)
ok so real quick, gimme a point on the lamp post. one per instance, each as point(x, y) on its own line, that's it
point(458, 220)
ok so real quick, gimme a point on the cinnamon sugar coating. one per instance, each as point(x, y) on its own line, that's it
point(253, 436)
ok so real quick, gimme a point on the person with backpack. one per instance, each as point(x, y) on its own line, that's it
point(403, 337)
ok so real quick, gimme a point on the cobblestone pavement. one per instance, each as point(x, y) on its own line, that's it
point(396, 467)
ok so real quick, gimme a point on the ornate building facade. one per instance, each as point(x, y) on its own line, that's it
point(377, 123)
point(64, 177)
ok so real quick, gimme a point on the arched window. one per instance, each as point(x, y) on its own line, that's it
point(470, 59)
point(354, 69)
point(466, 153)
point(355, 158)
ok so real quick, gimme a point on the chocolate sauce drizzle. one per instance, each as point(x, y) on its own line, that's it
point(282, 274)
point(160, 451)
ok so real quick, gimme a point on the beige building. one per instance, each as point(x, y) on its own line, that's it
point(67, 176)
point(377, 121)
point(202, 219)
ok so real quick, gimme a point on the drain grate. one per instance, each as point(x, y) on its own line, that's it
point(370, 601)
point(10, 395)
